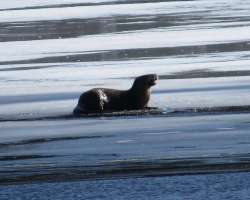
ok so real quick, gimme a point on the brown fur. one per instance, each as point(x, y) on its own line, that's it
point(99, 100)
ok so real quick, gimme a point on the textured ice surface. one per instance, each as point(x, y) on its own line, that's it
point(52, 51)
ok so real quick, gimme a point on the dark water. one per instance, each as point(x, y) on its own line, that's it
point(52, 51)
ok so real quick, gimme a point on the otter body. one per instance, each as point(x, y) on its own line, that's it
point(100, 100)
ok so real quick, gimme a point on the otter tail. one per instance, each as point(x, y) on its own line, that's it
point(78, 111)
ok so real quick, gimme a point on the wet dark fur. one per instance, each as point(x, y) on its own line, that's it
point(99, 100)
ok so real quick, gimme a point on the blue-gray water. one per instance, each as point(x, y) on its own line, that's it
point(52, 51)
point(205, 187)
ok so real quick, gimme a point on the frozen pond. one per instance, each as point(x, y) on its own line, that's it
point(52, 51)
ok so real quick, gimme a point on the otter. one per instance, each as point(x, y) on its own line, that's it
point(99, 100)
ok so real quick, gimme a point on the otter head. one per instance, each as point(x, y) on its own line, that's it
point(140, 91)
point(145, 81)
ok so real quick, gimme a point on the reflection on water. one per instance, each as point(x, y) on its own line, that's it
point(200, 49)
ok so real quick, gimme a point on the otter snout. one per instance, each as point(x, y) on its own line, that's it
point(153, 79)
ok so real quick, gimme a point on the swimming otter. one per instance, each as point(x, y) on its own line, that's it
point(100, 100)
